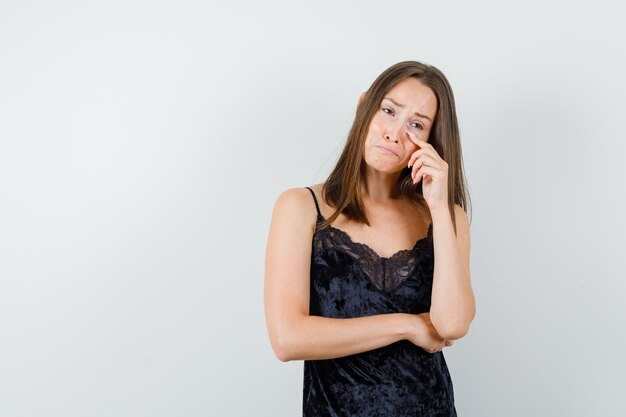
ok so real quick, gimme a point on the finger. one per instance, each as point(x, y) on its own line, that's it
point(429, 161)
point(431, 155)
point(418, 175)
point(416, 140)
point(423, 145)
point(412, 138)
point(418, 164)
point(419, 142)
point(424, 170)
point(416, 155)
point(421, 161)
point(430, 151)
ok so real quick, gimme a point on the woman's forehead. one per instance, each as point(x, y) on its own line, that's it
point(417, 96)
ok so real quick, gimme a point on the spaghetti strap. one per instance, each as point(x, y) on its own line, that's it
point(317, 206)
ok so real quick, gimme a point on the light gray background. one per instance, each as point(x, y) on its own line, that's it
point(143, 145)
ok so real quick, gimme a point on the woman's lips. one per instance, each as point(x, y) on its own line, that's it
point(386, 151)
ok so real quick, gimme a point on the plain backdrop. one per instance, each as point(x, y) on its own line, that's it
point(143, 145)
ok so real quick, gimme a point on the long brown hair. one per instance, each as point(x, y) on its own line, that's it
point(342, 188)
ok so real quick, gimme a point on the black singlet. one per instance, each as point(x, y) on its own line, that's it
point(349, 279)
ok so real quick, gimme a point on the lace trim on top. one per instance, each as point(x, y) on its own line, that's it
point(385, 273)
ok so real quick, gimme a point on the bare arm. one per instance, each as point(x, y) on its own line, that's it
point(453, 306)
point(314, 337)
point(294, 334)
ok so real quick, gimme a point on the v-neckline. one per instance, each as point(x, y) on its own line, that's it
point(369, 248)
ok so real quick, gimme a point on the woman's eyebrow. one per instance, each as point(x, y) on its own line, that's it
point(401, 106)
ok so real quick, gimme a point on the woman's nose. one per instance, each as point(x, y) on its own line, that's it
point(394, 132)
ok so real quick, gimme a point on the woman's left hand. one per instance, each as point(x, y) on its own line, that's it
point(432, 170)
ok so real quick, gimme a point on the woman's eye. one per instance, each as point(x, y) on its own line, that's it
point(417, 125)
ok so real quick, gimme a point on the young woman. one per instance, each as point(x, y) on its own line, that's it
point(367, 275)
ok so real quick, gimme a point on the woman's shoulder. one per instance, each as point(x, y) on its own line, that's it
point(298, 203)
point(299, 196)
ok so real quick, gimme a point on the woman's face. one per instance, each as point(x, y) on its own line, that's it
point(409, 107)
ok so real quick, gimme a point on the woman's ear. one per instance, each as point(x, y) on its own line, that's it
point(361, 98)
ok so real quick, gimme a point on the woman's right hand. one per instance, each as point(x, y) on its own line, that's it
point(424, 335)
